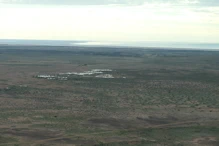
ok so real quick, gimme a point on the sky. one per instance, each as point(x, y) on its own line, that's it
point(111, 21)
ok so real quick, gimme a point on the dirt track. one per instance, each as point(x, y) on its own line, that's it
point(67, 139)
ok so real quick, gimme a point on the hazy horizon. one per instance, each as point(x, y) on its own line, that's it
point(183, 45)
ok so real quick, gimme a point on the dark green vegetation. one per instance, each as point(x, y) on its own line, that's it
point(169, 97)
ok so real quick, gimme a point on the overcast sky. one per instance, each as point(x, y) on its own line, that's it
point(111, 20)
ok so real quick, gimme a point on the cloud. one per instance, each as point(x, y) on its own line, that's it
point(72, 2)
point(197, 3)
point(205, 3)
point(211, 3)
point(190, 1)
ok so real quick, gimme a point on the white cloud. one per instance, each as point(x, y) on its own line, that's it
point(189, 1)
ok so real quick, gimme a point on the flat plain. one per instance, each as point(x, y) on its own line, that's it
point(108, 96)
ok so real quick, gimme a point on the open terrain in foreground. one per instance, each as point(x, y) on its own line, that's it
point(68, 96)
